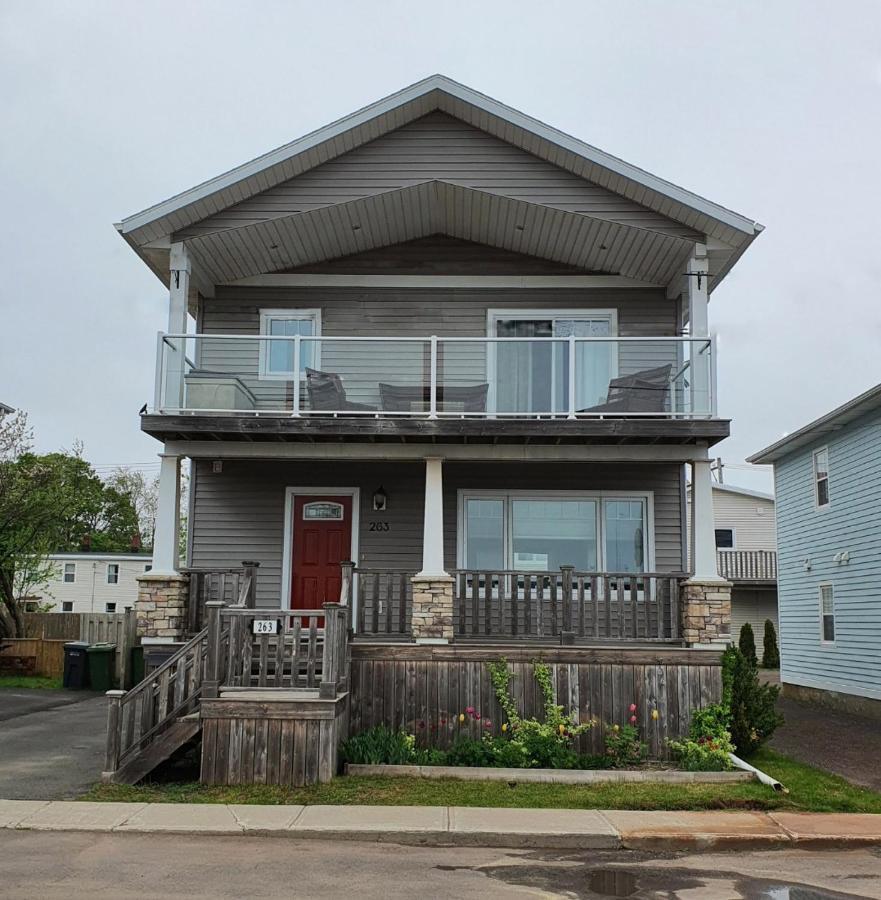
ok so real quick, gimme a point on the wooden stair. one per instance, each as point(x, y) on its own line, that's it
point(158, 751)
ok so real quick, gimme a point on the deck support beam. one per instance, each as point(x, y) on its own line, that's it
point(433, 521)
point(697, 276)
point(703, 556)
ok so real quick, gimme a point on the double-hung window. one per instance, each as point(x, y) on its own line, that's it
point(827, 614)
point(113, 573)
point(821, 476)
point(277, 355)
point(540, 532)
point(69, 573)
point(528, 372)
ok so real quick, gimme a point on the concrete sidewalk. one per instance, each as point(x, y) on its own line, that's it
point(458, 826)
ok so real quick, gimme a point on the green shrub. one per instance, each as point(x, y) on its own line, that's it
point(624, 747)
point(711, 722)
point(709, 742)
point(770, 650)
point(379, 746)
point(469, 751)
point(747, 643)
point(752, 705)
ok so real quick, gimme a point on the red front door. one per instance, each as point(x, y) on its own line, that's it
point(322, 540)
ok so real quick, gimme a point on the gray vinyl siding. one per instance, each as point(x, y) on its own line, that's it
point(238, 513)
point(415, 313)
point(753, 605)
point(852, 523)
point(438, 147)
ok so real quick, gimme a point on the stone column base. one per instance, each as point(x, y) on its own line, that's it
point(161, 607)
point(432, 616)
point(705, 612)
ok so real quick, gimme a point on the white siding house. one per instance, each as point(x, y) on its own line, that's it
point(94, 582)
point(828, 486)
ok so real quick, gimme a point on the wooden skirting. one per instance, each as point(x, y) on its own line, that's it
point(423, 689)
point(291, 740)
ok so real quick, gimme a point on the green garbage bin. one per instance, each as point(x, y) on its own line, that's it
point(137, 668)
point(101, 659)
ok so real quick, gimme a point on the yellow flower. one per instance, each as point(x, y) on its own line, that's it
point(655, 714)
point(562, 728)
point(615, 728)
point(461, 717)
point(504, 727)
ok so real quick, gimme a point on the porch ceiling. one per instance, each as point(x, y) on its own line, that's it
point(370, 430)
point(439, 207)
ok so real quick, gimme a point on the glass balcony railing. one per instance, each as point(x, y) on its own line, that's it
point(434, 377)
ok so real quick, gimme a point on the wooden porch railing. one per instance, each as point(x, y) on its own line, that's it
point(384, 602)
point(308, 649)
point(747, 565)
point(234, 587)
point(567, 605)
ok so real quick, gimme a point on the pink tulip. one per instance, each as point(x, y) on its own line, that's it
point(487, 723)
point(633, 707)
point(633, 720)
point(469, 710)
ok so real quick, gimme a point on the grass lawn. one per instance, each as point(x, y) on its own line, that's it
point(809, 789)
point(30, 681)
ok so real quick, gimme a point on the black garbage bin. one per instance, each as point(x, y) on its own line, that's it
point(76, 665)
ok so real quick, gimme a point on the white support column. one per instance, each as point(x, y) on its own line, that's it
point(178, 293)
point(699, 326)
point(433, 523)
point(165, 534)
point(703, 523)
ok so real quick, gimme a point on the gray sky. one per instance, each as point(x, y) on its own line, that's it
point(771, 109)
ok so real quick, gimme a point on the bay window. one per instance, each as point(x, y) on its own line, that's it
point(540, 532)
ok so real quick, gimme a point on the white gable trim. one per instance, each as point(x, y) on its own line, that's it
point(443, 281)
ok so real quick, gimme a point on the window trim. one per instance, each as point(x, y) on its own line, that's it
point(496, 314)
point(816, 479)
point(107, 574)
point(267, 315)
point(64, 566)
point(733, 531)
point(647, 497)
point(65, 603)
point(831, 586)
point(110, 603)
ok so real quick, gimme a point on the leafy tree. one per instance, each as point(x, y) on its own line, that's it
point(752, 705)
point(747, 643)
point(143, 492)
point(770, 650)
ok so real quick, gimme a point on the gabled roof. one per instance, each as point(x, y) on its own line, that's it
point(867, 402)
point(150, 231)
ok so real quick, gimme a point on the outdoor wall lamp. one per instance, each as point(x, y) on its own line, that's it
point(380, 499)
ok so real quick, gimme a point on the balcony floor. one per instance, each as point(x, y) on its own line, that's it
point(422, 430)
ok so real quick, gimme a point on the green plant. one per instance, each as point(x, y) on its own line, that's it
point(546, 744)
point(752, 705)
point(709, 742)
point(379, 746)
point(770, 650)
point(469, 751)
point(710, 722)
point(747, 643)
point(624, 747)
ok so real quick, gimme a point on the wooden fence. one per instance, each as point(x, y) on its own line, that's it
point(424, 689)
point(47, 633)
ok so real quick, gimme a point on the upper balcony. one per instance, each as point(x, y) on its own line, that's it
point(558, 388)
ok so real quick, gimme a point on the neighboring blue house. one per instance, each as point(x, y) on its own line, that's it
point(828, 486)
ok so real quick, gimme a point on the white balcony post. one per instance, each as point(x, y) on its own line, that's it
point(433, 523)
point(702, 523)
point(432, 384)
point(571, 372)
point(298, 350)
point(178, 292)
point(699, 327)
point(165, 532)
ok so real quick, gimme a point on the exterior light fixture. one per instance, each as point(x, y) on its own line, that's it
point(380, 499)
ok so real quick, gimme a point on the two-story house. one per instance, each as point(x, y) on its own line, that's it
point(449, 366)
point(828, 484)
point(93, 582)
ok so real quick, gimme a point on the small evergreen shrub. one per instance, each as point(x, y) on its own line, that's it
point(752, 705)
point(770, 650)
point(747, 643)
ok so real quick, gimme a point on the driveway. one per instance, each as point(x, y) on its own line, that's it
point(51, 743)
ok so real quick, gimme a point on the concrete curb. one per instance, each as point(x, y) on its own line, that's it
point(569, 829)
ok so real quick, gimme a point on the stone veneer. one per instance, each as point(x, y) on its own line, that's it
point(705, 612)
point(432, 616)
point(161, 607)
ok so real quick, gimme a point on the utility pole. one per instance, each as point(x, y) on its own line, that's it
point(716, 468)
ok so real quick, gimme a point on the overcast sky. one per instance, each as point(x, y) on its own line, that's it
point(771, 109)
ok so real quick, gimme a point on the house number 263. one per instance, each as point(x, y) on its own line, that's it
point(378, 526)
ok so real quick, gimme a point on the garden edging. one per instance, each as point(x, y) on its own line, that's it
point(551, 776)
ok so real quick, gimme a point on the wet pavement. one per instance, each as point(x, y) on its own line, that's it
point(101, 866)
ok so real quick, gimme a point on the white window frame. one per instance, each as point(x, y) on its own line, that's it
point(733, 537)
point(820, 587)
point(494, 316)
point(118, 573)
point(816, 479)
point(64, 573)
point(599, 497)
point(268, 315)
point(107, 606)
point(67, 603)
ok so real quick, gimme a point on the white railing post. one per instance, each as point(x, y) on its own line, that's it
point(432, 396)
point(571, 376)
point(714, 405)
point(296, 398)
point(158, 399)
